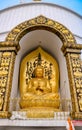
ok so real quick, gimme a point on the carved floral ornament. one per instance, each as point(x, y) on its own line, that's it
point(44, 23)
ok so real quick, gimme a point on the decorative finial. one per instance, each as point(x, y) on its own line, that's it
point(36, 0)
point(40, 42)
point(39, 59)
point(22, 1)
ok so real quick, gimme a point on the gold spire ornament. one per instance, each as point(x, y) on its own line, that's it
point(22, 1)
point(36, 0)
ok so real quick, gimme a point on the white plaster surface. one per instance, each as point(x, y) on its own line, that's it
point(11, 17)
point(33, 122)
point(32, 128)
point(24, 115)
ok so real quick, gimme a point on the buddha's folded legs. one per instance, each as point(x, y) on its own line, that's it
point(45, 100)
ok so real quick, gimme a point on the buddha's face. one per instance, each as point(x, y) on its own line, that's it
point(39, 72)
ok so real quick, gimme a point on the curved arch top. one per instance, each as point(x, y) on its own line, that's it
point(39, 23)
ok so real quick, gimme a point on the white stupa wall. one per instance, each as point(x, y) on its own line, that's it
point(11, 17)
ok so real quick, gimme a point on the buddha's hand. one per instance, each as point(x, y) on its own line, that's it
point(39, 88)
point(25, 96)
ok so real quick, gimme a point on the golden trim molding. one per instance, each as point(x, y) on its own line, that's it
point(74, 48)
point(9, 45)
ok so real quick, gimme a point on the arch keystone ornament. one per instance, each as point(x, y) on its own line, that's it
point(71, 50)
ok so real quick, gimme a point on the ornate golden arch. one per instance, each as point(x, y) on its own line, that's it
point(44, 23)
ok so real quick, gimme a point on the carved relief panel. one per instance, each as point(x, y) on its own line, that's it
point(77, 73)
point(73, 59)
point(7, 57)
point(4, 67)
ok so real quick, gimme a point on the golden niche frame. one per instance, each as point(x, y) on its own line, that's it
point(31, 61)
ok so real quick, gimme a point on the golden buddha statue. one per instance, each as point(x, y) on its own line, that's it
point(40, 92)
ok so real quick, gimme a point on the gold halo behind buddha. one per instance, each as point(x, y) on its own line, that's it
point(39, 83)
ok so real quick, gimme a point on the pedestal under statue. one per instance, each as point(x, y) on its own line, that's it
point(40, 96)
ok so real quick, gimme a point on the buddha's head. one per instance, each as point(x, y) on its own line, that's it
point(39, 71)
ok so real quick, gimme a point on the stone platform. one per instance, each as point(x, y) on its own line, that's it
point(20, 121)
point(23, 115)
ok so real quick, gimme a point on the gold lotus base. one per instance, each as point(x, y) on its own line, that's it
point(46, 112)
